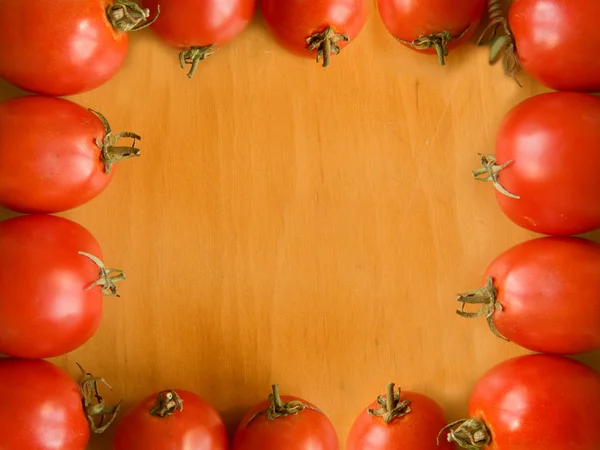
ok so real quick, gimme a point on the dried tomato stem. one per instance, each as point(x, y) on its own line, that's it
point(107, 279)
point(486, 296)
point(471, 434)
point(492, 172)
point(277, 408)
point(93, 403)
point(326, 44)
point(390, 406)
point(127, 16)
point(167, 402)
point(194, 55)
point(438, 41)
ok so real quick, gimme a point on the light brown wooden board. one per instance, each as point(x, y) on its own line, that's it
point(298, 225)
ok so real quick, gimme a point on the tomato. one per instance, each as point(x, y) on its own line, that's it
point(407, 420)
point(198, 27)
point(553, 40)
point(171, 420)
point(51, 298)
point(544, 169)
point(315, 28)
point(543, 295)
point(431, 26)
point(54, 154)
point(285, 422)
point(533, 402)
point(44, 407)
point(65, 48)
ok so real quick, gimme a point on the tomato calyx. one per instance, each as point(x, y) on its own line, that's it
point(277, 408)
point(98, 415)
point(126, 16)
point(107, 277)
point(167, 402)
point(110, 152)
point(326, 43)
point(470, 434)
point(438, 41)
point(492, 170)
point(501, 45)
point(390, 406)
point(486, 296)
point(194, 55)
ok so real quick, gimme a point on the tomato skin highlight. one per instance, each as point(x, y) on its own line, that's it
point(197, 23)
point(49, 159)
point(557, 41)
point(539, 402)
point(35, 388)
point(553, 140)
point(418, 429)
point(48, 312)
point(307, 429)
point(293, 21)
point(198, 426)
point(408, 20)
point(59, 48)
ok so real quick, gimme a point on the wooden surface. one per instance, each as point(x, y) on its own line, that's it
point(297, 225)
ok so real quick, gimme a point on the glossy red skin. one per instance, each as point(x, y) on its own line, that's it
point(45, 309)
point(539, 402)
point(198, 427)
point(59, 48)
point(548, 288)
point(416, 430)
point(410, 19)
point(553, 140)
point(306, 430)
point(292, 21)
point(557, 42)
point(45, 410)
point(49, 160)
point(196, 23)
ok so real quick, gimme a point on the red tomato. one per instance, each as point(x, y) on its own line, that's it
point(199, 26)
point(431, 26)
point(65, 48)
point(533, 402)
point(285, 422)
point(54, 154)
point(171, 420)
point(408, 421)
point(50, 303)
point(547, 151)
point(315, 28)
point(543, 295)
point(46, 411)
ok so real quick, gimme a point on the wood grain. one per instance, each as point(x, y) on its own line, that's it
point(294, 225)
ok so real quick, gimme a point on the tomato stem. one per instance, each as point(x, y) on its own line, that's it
point(486, 296)
point(167, 402)
point(108, 277)
point(277, 408)
point(110, 152)
point(194, 55)
point(390, 406)
point(127, 16)
point(501, 45)
point(326, 43)
point(492, 172)
point(438, 41)
point(471, 434)
point(93, 403)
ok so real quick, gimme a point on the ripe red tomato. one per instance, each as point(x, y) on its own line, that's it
point(543, 295)
point(547, 151)
point(171, 420)
point(399, 421)
point(65, 48)
point(50, 303)
point(431, 26)
point(533, 402)
point(315, 28)
point(285, 422)
point(199, 26)
point(54, 154)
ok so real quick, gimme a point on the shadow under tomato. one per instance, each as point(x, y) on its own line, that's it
point(5, 214)
point(9, 91)
point(592, 359)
